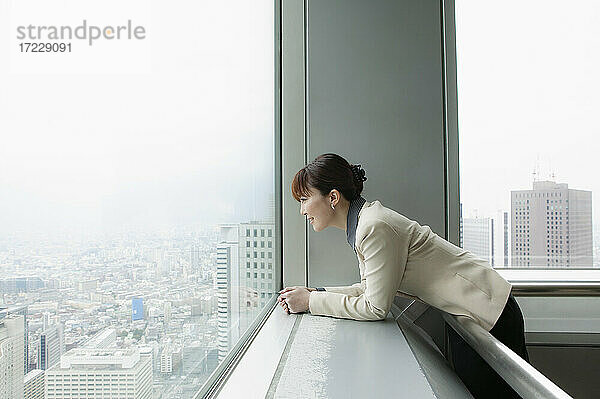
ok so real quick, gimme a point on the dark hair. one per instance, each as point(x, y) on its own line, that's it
point(326, 172)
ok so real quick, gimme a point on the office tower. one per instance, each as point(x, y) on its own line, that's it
point(11, 356)
point(170, 358)
point(552, 226)
point(195, 257)
point(45, 320)
point(271, 209)
point(501, 234)
point(192, 357)
point(20, 310)
point(163, 260)
point(33, 385)
point(171, 261)
point(257, 256)
point(86, 373)
point(478, 237)
point(51, 347)
point(257, 269)
point(245, 277)
point(137, 309)
point(228, 285)
point(106, 338)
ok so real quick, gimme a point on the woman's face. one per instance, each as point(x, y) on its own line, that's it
point(317, 209)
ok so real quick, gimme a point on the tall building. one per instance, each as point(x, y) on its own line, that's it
point(124, 373)
point(33, 385)
point(257, 256)
point(195, 257)
point(20, 310)
point(137, 309)
point(227, 284)
point(51, 347)
point(478, 237)
point(501, 234)
point(551, 226)
point(245, 277)
point(11, 357)
point(170, 359)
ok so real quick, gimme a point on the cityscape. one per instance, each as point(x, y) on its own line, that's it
point(151, 315)
point(547, 226)
point(133, 316)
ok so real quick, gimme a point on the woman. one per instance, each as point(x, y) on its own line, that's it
point(397, 255)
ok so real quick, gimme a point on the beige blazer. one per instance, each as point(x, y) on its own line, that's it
point(396, 255)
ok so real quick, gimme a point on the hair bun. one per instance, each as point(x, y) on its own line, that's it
point(358, 172)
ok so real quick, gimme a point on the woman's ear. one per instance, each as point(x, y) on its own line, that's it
point(334, 196)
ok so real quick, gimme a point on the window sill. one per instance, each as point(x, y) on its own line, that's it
point(305, 355)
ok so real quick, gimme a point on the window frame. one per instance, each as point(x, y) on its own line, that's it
point(219, 376)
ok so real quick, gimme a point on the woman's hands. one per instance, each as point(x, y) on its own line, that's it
point(294, 299)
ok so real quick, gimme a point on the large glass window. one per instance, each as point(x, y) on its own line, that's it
point(135, 173)
point(527, 102)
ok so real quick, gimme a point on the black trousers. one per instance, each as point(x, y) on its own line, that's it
point(481, 380)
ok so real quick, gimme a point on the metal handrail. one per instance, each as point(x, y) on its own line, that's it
point(520, 375)
point(556, 288)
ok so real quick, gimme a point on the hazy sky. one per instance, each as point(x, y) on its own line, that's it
point(178, 128)
point(175, 129)
point(528, 87)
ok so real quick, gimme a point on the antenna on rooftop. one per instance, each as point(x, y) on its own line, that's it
point(536, 170)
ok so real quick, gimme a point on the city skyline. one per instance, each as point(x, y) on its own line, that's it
point(521, 109)
point(547, 226)
point(154, 296)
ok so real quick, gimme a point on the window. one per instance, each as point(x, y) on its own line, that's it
point(525, 122)
point(133, 159)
